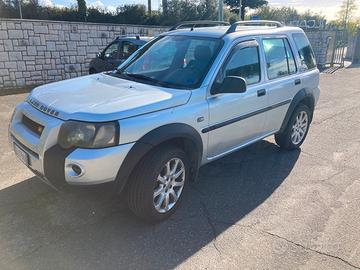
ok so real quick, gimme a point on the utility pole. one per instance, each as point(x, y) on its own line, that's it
point(346, 19)
point(240, 7)
point(149, 7)
point(221, 10)
point(20, 11)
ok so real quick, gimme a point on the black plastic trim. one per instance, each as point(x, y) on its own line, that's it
point(245, 116)
point(54, 162)
point(155, 138)
point(24, 147)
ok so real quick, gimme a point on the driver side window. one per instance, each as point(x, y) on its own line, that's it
point(111, 52)
point(243, 62)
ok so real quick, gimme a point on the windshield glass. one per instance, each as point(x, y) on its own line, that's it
point(172, 61)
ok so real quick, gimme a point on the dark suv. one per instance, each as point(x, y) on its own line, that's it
point(116, 53)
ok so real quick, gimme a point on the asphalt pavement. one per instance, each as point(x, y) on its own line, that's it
point(259, 208)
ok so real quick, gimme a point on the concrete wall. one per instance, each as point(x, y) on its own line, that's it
point(35, 52)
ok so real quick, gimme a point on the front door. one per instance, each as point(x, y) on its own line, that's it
point(235, 119)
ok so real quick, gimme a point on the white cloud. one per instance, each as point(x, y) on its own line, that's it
point(46, 3)
point(101, 6)
point(97, 4)
point(111, 9)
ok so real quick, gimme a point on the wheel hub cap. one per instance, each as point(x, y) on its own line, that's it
point(169, 185)
point(299, 128)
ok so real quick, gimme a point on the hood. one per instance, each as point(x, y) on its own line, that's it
point(101, 97)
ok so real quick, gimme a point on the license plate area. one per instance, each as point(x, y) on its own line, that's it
point(22, 155)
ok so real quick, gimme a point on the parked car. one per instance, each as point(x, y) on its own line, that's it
point(186, 98)
point(116, 52)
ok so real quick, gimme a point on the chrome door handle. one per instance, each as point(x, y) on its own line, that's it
point(261, 92)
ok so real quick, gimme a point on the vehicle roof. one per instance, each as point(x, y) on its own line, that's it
point(133, 38)
point(220, 31)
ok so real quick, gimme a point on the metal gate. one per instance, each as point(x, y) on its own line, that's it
point(336, 50)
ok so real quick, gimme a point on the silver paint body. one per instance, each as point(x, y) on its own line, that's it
point(141, 108)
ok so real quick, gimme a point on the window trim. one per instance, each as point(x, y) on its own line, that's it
point(230, 54)
point(293, 56)
point(291, 49)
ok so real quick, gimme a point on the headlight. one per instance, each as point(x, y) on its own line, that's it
point(88, 135)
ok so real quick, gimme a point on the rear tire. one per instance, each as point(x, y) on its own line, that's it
point(156, 186)
point(296, 129)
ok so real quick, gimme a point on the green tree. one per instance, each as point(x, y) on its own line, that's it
point(82, 9)
point(164, 4)
point(286, 14)
point(234, 5)
point(347, 11)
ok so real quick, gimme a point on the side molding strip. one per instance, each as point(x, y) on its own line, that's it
point(242, 117)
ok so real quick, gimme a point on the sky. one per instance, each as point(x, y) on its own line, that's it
point(325, 7)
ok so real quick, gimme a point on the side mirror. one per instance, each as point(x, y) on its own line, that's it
point(99, 55)
point(231, 84)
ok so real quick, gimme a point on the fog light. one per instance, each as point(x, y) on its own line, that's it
point(77, 170)
point(74, 170)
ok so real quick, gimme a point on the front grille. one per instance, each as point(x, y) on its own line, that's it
point(32, 125)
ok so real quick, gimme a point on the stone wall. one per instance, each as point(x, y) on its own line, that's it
point(322, 42)
point(34, 52)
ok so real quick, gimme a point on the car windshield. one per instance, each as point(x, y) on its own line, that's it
point(172, 61)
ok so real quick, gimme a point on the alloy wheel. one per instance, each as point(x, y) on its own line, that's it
point(169, 185)
point(299, 128)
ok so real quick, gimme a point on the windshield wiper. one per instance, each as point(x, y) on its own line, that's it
point(145, 78)
point(141, 77)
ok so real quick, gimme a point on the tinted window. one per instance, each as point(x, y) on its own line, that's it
point(305, 51)
point(279, 59)
point(112, 51)
point(245, 63)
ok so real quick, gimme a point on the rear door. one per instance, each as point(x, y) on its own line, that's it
point(282, 79)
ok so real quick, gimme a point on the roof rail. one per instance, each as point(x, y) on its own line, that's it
point(193, 24)
point(233, 27)
point(137, 36)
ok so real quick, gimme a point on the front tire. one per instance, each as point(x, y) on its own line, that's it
point(157, 183)
point(92, 71)
point(296, 130)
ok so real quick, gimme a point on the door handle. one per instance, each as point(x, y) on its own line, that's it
point(261, 92)
point(297, 81)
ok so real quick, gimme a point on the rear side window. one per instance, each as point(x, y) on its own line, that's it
point(305, 51)
point(279, 58)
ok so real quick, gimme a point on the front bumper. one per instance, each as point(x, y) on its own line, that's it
point(50, 161)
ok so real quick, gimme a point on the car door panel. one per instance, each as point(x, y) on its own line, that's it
point(240, 117)
point(237, 118)
point(281, 85)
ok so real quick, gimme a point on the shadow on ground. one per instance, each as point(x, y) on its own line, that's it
point(92, 229)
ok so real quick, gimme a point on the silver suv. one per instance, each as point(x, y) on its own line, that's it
point(186, 98)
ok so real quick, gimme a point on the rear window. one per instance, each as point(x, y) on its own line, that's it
point(305, 51)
